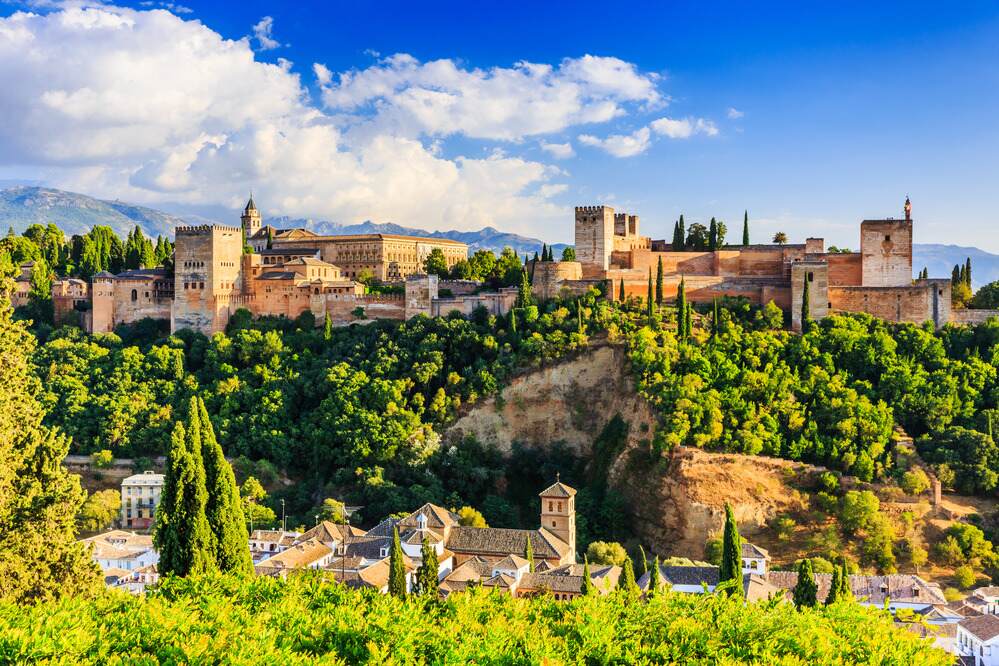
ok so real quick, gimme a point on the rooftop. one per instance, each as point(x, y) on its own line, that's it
point(983, 627)
point(147, 478)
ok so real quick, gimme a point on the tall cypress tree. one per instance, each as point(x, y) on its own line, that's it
point(731, 563)
point(650, 304)
point(659, 283)
point(544, 252)
point(688, 320)
point(834, 587)
point(642, 560)
point(327, 327)
point(653, 578)
point(426, 576)
point(397, 567)
point(745, 228)
point(40, 558)
point(713, 235)
point(529, 554)
point(224, 509)
point(681, 311)
point(524, 295)
point(962, 275)
point(805, 590)
point(845, 592)
point(270, 238)
point(620, 293)
point(588, 588)
point(675, 244)
point(967, 272)
point(955, 275)
point(806, 310)
point(683, 235)
point(513, 320)
point(626, 582)
point(715, 319)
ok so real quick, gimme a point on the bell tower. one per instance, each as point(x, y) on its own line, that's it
point(558, 513)
point(250, 219)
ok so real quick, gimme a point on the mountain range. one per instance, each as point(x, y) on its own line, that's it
point(22, 206)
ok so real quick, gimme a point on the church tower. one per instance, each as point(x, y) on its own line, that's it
point(558, 513)
point(250, 219)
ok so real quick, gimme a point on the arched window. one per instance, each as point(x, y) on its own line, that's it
point(135, 295)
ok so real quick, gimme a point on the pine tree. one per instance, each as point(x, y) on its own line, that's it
point(529, 554)
point(397, 567)
point(806, 311)
point(620, 293)
point(659, 283)
point(731, 563)
point(653, 578)
point(40, 558)
point(626, 582)
point(681, 311)
point(713, 235)
point(588, 588)
point(224, 508)
point(327, 327)
point(40, 293)
point(806, 590)
point(427, 575)
point(745, 228)
point(683, 235)
point(643, 561)
point(834, 587)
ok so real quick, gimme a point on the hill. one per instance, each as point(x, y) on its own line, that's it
point(940, 260)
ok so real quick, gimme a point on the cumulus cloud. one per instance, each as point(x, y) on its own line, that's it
point(734, 113)
point(683, 128)
point(263, 31)
point(441, 98)
point(620, 145)
point(146, 106)
point(560, 151)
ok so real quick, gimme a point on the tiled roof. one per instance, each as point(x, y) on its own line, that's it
point(119, 544)
point(384, 528)
point(328, 531)
point(144, 479)
point(557, 489)
point(502, 541)
point(964, 609)
point(143, 274)
point(437, 517)
point(675, 575)
point(983, 627)
point(511, 563)
point(987, 592)
point(299, 556)
point(500, 580)
point(904, 588)
point(416, 537)
point(754, 551)
point(368, 547)
point(756, 588)
point(274, 536)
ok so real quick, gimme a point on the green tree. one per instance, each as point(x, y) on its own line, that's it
point(397, 567)
point(428, 571)
point(654, 582)
point(327, 327)
point(659, 283)
point(964, 576)
point(39, 499)
point(858, 509)
point(806, 309)
point(256, 514)
point(588, 588)
point(101, 459)
point(436, 263)
point(99, 510)
point(620, 293)
point(40, 293)
point(731, 562)
point(524, 296)
point(332, 510)
point(650, 304)
point(569, 254)
point(780, 238)
point(745, 228)
point(834, 587)
point(529, 553)
point(642, 561)
point(713, 235)
point(224, 507)
point(603, 552)
point(626, 581)
point(915, 482)
point(805, 590)
point(681, 311)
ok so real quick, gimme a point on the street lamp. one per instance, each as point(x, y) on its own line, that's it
point(283, 526)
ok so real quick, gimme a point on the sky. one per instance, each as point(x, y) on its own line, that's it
point(458, 115)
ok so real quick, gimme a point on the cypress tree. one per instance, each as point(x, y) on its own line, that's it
point(955, 275)
point(845, 593)
point(731, 563)
point(650, 304)
point(588, 588)
point(270, 238)
point(544, 252)
point(529, 554)
point(643, 561)
point(40, 558)
point(745, 228)
point(962, 275)
point(806, 590)
point(426, 576)
point(715, 321)
point(627, 580)
point(397, 567)
point(967, 272)
point(659, 283)
point(513, 320)
point(681, 311)
point(713, 235)
point(806, 313)
point(620, 294)
point(688, 323)
point(683, 235)
point(675, 244)
point(327, 327)
point(524, 296)
point(224, 509)
point(654, 578)
point(834, 587)
point(579, 317)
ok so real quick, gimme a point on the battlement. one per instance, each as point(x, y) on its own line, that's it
point(591, 209)
point(204, 229)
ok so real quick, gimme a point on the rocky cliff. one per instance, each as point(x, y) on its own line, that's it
point(676, 500)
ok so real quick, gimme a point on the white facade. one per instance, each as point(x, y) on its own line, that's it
point(140, 495)
point(985, 652)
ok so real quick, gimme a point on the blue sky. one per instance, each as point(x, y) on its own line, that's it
point(810, 115)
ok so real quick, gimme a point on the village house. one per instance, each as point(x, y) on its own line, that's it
point(140, 495)
point(978, 639)
point(119, 553)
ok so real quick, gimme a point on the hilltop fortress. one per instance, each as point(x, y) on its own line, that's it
point(877, 280)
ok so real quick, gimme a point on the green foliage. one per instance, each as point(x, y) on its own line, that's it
point(652, 589)
point(529, 553)
point(436, 263)
point(805, 590)
point(99, 510)
point(731, 555)
point(986, 298)
point(713, 549)
point(602, 552)
point(101, 459)
point(858, 510)
point(569, 254)
point(915, 482)
point(745, 228)
point(588, 588)
point(304, 621)
point(972, 456)
point(471, 517)
point(426, 575)
point(397, 567)
point(626, 581)
point(964, 576)
point(783, 527)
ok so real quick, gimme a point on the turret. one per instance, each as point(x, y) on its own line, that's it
point(558, 513)
point(250, 219)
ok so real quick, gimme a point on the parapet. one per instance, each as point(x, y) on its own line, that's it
point(204, 229)
point(592, 209)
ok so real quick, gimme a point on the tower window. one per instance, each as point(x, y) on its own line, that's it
point(887, 237)
point(811, 277)
point(551, 506)
point(135, 295)
point(553, 523)
point(559, 506)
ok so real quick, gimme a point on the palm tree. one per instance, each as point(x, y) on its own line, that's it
point(780, 238)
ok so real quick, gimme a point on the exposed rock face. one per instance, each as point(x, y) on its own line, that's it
point(676, 500)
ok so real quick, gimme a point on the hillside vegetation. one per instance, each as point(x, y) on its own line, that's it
point(305, 621)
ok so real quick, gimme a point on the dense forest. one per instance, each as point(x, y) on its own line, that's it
point(304, 621)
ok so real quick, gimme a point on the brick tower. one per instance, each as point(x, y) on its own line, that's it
point(250, 219)
point(558, 513)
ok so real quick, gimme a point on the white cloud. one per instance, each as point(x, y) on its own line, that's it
point(620, 145)
point(440, 98)
point(683, 128)
point(560, 151)
point(323, 74)
point(734, 113)
point(148, 107)
point(263, 31)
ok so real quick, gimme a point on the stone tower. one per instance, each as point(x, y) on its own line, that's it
point(558, 513)
point(886, 249)
point(595, 237)
point(207, 275)
point(250, 219)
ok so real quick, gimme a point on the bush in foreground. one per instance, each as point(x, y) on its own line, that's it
point(305, 620)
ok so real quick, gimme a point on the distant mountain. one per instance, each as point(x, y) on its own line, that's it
point(487, 238)
point(74, 213)
point(940, 260)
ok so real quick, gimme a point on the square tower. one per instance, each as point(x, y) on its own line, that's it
point(886, 249)
point(816, 273)
point(594, 236)
point(207, 272)
point(558, 513)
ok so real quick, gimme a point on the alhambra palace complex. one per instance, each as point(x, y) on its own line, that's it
point(301, 271)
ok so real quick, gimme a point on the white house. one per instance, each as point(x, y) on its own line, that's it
point(754, 559)
point(121, 550)
point(985, 599)
point(140, 495)
point(978, 637)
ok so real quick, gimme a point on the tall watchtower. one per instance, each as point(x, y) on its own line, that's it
point(558, 513)
point(250, 219)
point(207, 271)
point(594, 237)
point(886, 249)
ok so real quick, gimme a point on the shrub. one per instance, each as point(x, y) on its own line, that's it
point(915, 482)
point(783, 527)
point(602, 552)
point(102, 459)
point(952, 594)
point(964, 576)
point(858, 509)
